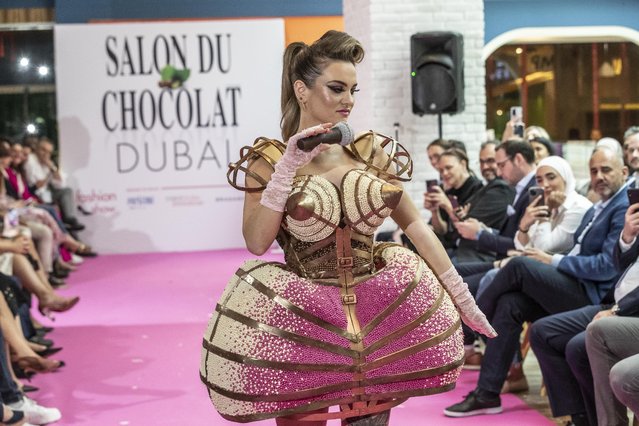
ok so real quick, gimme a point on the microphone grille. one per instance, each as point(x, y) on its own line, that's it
point(348, 134)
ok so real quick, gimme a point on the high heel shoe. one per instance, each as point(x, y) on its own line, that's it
point(48, 352)
point(57, 305)
point(37, 364)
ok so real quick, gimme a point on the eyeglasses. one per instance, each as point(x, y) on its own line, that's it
point(502, 164)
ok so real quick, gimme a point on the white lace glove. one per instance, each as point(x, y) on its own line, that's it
point(279, 187)
point(468, 309)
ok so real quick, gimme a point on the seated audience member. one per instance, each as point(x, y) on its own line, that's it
point(631, 149)
point(461, 185)
point(551, 219)
point(44, 175)
point(543, 148)
point(532, 287)
point(531, 132)
point(559, 342)
point(15, 400)
point(516, 162)
point(609, 143)
point(435, 149)
point(613, 352)
point(488, 205)
point(548, 225)
point(438, 146)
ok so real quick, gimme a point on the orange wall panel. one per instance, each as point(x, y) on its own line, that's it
point(310, 28)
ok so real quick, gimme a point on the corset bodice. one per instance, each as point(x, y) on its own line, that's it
point(328, 227)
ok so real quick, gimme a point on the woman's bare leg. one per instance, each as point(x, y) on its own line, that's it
point(47, 298)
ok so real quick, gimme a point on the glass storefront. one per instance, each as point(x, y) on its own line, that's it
point(575, 91)
point(27, 83)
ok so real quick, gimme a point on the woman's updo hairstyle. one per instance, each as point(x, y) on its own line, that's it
point(306, 63)
point(460, 155)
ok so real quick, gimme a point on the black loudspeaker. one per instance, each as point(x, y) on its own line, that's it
point(437, 72)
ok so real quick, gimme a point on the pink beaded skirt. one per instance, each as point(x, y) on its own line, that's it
point(280, 345)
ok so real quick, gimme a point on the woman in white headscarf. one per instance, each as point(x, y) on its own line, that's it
point(551, 219)
point(548, 226)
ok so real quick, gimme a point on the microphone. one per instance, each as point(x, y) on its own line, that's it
point(342, 133)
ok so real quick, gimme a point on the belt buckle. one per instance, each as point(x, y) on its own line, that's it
point(349, 299)
point(345, 262)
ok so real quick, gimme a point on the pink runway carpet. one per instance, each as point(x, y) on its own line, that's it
point(132, 348)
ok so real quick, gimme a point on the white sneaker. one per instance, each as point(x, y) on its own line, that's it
point(34, 413)
point(75, 259)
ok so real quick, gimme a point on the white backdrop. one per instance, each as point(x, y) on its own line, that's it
point(151, 162)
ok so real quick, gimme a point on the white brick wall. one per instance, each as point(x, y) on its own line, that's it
point(384, 27)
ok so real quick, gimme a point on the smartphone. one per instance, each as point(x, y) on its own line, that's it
point(633, 195)
point(535, 192)
point(431, 184)
point(516, 115)
point(453, 202)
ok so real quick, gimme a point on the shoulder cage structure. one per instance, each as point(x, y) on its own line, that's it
point(397, 165)
point(269, 150)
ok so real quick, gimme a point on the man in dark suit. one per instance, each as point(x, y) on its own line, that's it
point(559, 341)
point(488, 205)
point(516, 162)
point(532, 287)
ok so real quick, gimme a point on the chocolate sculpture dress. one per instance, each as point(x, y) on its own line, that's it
point(345, 321)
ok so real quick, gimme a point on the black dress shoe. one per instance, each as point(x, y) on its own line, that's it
point(56, 282)
point(473, 404)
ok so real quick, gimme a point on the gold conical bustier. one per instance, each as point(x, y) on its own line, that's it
point(315, 212)
point(372, 200)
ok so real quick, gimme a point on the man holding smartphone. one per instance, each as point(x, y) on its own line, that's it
point(560, 340)
point(516, 162)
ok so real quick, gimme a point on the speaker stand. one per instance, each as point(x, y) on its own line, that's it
point(439, 123)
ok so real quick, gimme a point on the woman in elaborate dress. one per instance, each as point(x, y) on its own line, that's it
point(344, 322)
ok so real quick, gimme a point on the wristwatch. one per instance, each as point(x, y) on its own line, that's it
point(615, 309)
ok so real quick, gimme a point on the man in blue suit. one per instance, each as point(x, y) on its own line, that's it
point(559, 341)
point(537, 285)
